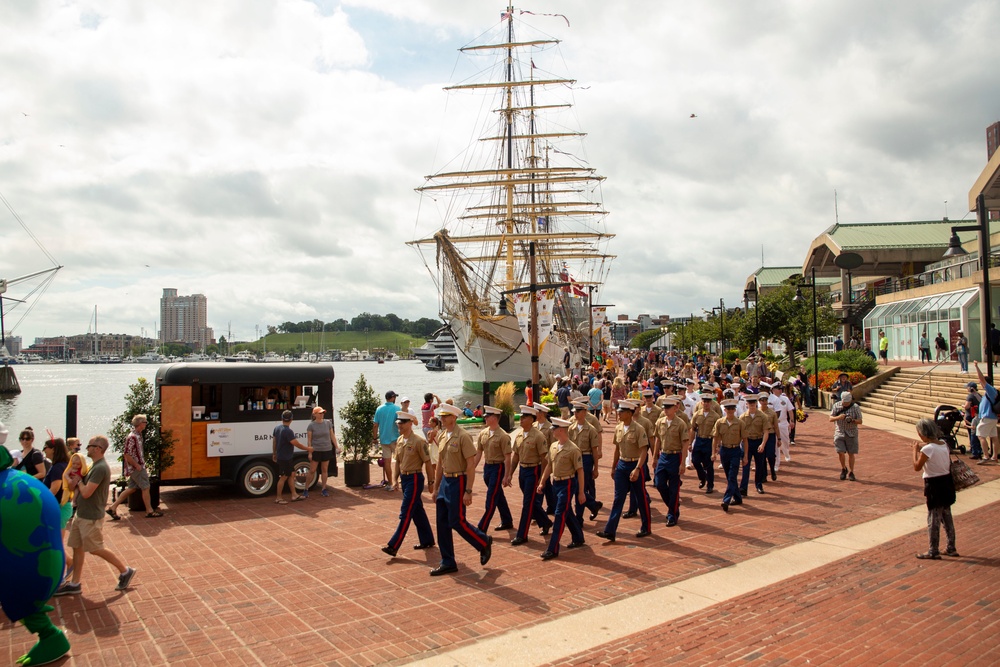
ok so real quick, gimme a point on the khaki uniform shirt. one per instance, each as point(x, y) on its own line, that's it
point(684, 417)
point(716, 410)
point(595, 422)
point(455, 448)
point(493, 447)
point(585, 437)
point(731, 434)
point(653, 415)
point(630, 443)
point(546, 429)
point(703, 423)
point(412, 453)
point(530, 446)
point(647, 425)
point(672, 434)
point(565, 461)
point(772, 419)
point(755, 425)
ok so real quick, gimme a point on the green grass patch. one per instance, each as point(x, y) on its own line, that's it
point(345, 341)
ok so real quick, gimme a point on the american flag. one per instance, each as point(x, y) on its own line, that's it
point(505, 15)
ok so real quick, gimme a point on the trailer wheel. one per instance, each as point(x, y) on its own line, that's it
point(300, 473)
point(257, 479)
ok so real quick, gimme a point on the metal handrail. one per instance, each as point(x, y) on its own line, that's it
point(897, 394)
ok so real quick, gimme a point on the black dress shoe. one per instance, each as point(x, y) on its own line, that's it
point(518, 540)
point(548, 555)
point(390, 551)
point(738, 502)
point(710, 490)
point(701, 484)
point(671, 523)
point(441, 569)
point(484, 555)
point(577, 545)
point(644, 533)
point(760, 489)
point(725, 506)
point(504, 526)
point(550, 512)
point(546, 529)
point(606, 536)
point(423, 546)
point(630, 515)
point(743, 491)
point(593, 515)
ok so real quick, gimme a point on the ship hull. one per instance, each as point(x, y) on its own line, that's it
point(483, 361)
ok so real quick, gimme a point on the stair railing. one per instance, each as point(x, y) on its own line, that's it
point(930, 382)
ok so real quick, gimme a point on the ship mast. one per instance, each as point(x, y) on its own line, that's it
point(509, 114)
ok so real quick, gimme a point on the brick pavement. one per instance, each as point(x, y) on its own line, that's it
point(249, 582)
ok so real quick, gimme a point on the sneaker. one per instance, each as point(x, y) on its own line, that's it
point(851, 476)
point(324, 493)
point(69, 588)
point(305, 493)
point(843, 473)
point(125, 578)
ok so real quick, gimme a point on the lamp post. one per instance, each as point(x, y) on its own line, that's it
point(722, 329)
point(955, 249)
point(799, 297)
point(751, 294)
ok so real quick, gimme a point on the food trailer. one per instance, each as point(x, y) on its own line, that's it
point(221, 417)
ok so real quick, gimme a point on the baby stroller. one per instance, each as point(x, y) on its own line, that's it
point(949, 418)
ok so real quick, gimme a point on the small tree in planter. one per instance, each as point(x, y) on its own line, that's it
point(357, 418)
point(157, 444)
point(504, 399)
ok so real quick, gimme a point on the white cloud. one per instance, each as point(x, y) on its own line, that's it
point(265, 153)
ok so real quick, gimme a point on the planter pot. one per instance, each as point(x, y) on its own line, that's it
point(135, 503)
point(505, 422)
point(357, 473)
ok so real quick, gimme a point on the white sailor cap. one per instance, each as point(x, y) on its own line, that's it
point(707, 395)
point(580, 405)
point(752, 398)
point(648, 392)
point(405, 417)
point(731, 403)
point(541, 407)
point(557, 422)
point(766, 385)
point(529, 411)
point(671, 401)
point(627, 405)
point(490, 410)
point(447, 409)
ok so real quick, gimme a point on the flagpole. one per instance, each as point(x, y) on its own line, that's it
point(533, 310)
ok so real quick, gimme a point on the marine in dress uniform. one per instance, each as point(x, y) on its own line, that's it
point(528, 456)
point(771, 443)
point(631, 450)
point(493, 446)
point(456, 473)
point(642, 418)
point(756, 426)
point(587, 439)
point(729, 441)
point(564, 468)
point(670, 445)
point(412, 454)
point(705, 416)
point(543, 424)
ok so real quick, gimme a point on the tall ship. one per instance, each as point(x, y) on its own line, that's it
point(522, 194)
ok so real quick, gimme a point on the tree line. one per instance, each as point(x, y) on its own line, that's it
point(422, 327)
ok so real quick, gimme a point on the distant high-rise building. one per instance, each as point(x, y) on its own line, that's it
point(992, 139)
point(184, 319)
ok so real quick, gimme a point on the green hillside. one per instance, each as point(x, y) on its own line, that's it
point(295, 343)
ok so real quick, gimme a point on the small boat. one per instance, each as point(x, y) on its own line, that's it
point(151, 358)
point(441, 342)
point(242, 356)
point(437, 364)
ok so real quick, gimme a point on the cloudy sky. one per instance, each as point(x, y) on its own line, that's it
point(264, 152)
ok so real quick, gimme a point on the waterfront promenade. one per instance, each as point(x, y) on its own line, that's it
point(815, 571)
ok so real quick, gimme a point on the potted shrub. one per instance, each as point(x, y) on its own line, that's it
point(157, 444)
point(357, 418)
point(504, 399)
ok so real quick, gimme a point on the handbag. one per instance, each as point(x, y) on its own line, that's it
point(962, 475)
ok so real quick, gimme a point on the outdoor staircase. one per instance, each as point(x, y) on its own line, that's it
point(941, 387)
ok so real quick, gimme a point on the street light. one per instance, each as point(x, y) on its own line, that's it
point(722, 329)
point(751, 294)
point(799, 297)
point(955, 249)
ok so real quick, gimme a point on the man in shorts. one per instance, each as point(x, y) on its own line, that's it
point(846, 418)
point(86, 535)
point(987, 428)
point(135, 470)
point(283, 444)
point(386, 433)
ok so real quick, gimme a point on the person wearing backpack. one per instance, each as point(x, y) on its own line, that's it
point(987, 429)
point(32, 461)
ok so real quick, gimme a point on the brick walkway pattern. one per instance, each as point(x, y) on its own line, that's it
point(224, 578)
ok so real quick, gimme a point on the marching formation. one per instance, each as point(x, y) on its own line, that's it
point(667, 424)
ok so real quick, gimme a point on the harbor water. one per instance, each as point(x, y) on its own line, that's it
point(101, 391)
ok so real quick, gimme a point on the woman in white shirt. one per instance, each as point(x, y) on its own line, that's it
point(931, 456)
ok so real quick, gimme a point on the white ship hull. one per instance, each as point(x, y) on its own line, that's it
point(483, 361)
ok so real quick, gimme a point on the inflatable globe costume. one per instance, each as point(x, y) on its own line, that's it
point(31, 550)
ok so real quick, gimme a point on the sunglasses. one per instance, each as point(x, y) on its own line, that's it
point(26, 438)
point(93, 446)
